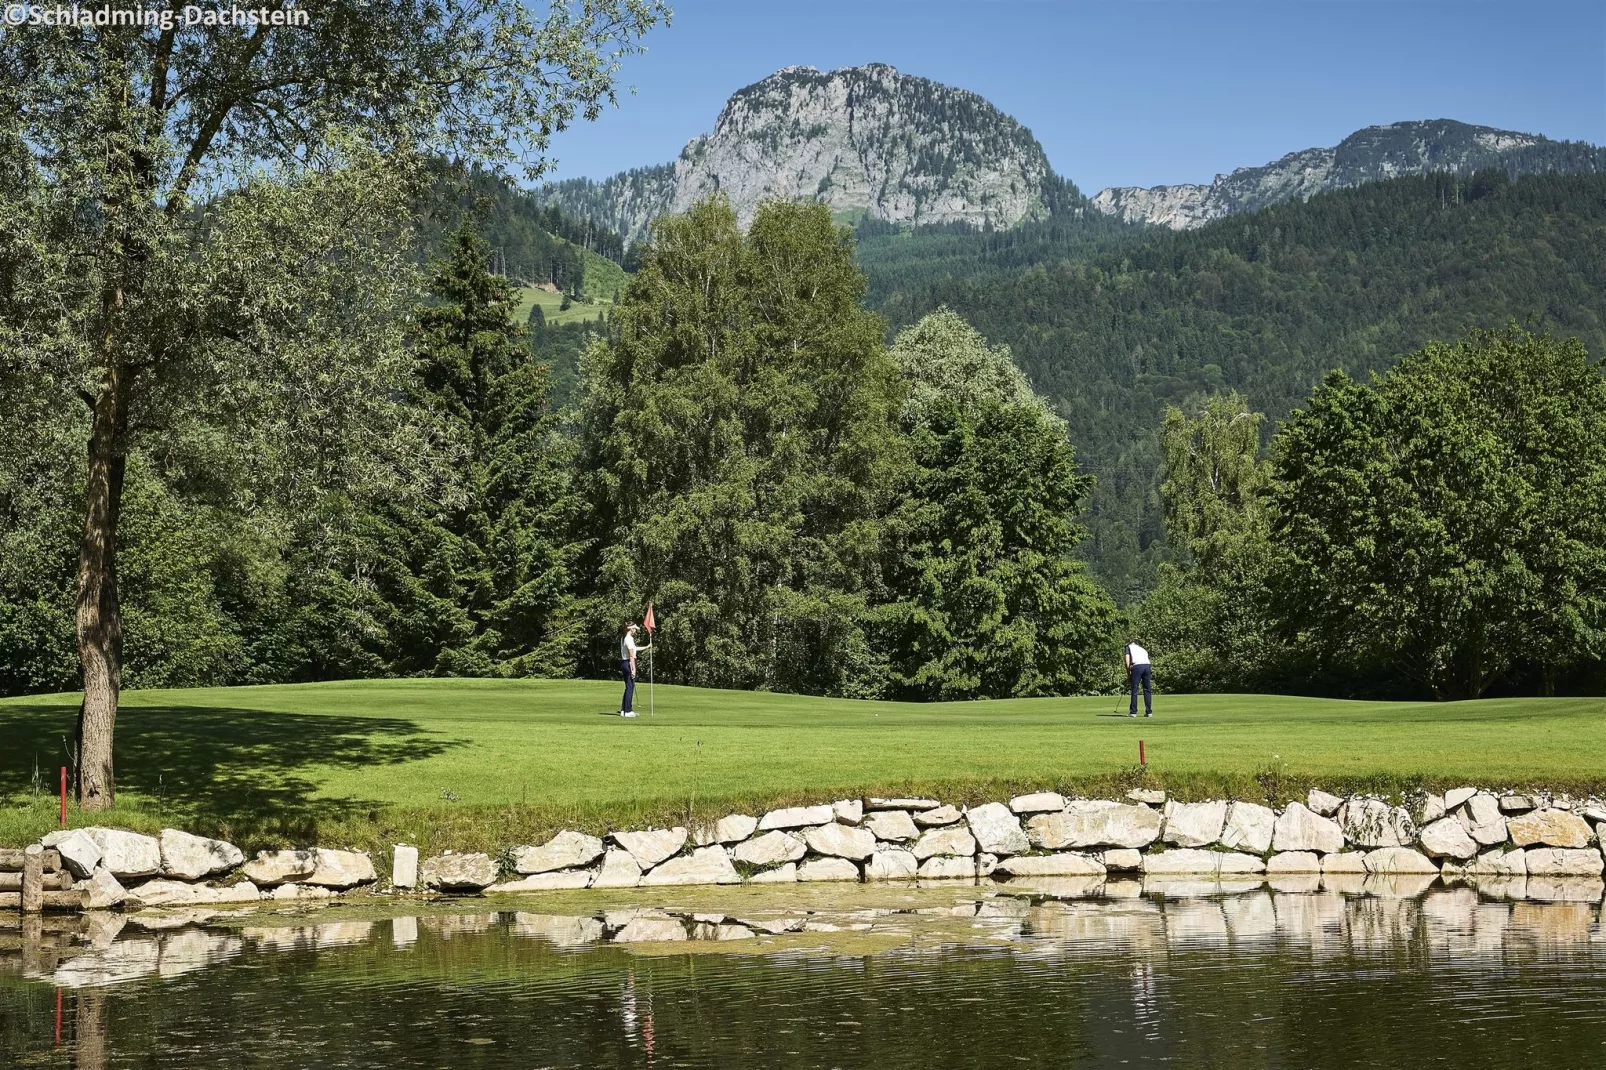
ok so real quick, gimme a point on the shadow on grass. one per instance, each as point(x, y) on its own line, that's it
point(235, 772)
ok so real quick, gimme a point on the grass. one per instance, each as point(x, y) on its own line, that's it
point(603, 281)
point(484, 764)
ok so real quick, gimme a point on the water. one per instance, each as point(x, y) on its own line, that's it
point(1180, 975)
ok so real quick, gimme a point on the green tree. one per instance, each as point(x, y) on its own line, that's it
point(741, 432)
point(1448, 520)
point(198, 229)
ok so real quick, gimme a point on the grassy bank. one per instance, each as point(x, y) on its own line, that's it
point(483, 764)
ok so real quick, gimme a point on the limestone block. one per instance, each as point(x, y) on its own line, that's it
point(549, 881)
point(1192, 861)
point(1249, 827)
point(828, 869)
point(1194, 824)
point(619, 869)
point(1373, 823)
point(1517, 804)
point(271, 868)
point(841, 841)
point(1457, 796)
point(459, 872)
point(1550, 828)
point(796, 817)
point(891, 864)
point(1322, 803)
point(1563, 862)
point(770, 848)
point(895, 826)
point(651, 930)
point(566, 850)
point(1392, 860)
point(127, 854)
point(653, 846)
point(191, 858)
point(955, 840)
point(947, 867)
point(997, 829)
point(1293, 862)
point(1448, 838)
point(786, 874)
point(1344, 862)
point(986, 864)
point(733, 828)
point(705, 865)
point(1301, 829)
point(1124, 859)
point(79, 853)
point(1234, 863)
point(848, 811)
point(163, 892)
point(942, 815)
point(1496, 864)
point(1432, 809)
point(404, 866)
point(1067, 864)
point(291, 892)
point(1095, 823)
point(1151, 796)
point(901, 804)
point(341, 869)
point(1482, 819)
point(1039, 802)
point(102, 891)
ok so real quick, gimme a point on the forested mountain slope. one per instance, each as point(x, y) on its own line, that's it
point(1265, 303)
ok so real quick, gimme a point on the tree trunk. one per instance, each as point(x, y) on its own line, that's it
point(100, 620)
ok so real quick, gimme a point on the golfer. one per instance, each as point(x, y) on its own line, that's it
point(1138, 671)
point(627, 665)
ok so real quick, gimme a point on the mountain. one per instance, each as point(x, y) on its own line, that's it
point(1370, 155)
point(868, 141)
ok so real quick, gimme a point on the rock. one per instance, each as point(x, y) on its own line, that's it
point(651, 931)
point(705, 865)
point(1446, 838)
point(163, 892)
point(1344, 862)
point(269, 868)
point(1055, 865)
point(1561, 862)
point(404, 866)
point(1551, 828)
point(1249, 827)
point(770, 848)
point(1233, 863)
point(891, 864)
point(730, 829)
point(1516, 804)
point(841, 841)
point(1596, 814)
point(1293, 862)
point(1389, 860)
point(901, 804)
point(733, 932)
point(1152, 796)
point(191, 858)
point(1124, 859)
point(997, 829)
point(652, 847)
point(848, 811)
point(942, 815)
point(946, 841)
point(1095, 824)
point(341, 869)
point(796, 817)
point(127, 854)
point(79, 853)
point(545, 882)
point(1495, 864)
point(101, 890)
point(893, 825)
point(986, 864)
point(947, 867)
point(1372, 823)
point(1194, 824)
point(1482, 819)
point(566, 850)
point(1192, 861)
point(1433, 808)
point(1320, 802)
point(1039, 802)
point(786, 874)
point(290, 892)
point(828, 869)
point(1456, 796)
point(619, 869)
point(459, 872)
point(1302, 829)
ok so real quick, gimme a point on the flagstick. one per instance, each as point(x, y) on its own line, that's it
point(652, 692)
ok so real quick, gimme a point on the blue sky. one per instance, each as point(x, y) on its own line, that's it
point(1132, 93)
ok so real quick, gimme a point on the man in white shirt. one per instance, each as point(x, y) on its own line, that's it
point(627, 665)
point(1138, 671)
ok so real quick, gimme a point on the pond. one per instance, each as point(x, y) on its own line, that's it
point(1048, 974)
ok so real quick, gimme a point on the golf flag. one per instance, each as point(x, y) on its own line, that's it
point(647, 621)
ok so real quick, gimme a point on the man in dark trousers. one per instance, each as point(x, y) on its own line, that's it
point(1138, 671)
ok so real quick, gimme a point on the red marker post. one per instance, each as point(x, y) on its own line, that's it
point(1142, 759)
point(64, 796)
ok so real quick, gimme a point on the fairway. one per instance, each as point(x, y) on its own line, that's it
point(472, 761)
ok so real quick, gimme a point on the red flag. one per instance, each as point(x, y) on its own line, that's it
point(647, 621)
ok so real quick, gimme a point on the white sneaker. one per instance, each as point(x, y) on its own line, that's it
point(628, 713)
